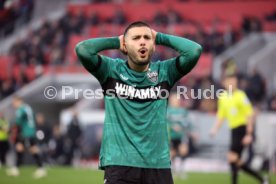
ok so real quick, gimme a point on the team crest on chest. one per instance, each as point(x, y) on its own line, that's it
point(152, 76)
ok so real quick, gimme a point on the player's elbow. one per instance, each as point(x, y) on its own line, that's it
point(196, 51)
point(193, 55)
point(79, 49)
point(82, 51)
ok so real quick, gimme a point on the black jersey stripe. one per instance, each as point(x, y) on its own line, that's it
point(180, 70)
point(98, 64)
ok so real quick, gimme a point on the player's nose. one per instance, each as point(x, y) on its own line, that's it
point(142, 42)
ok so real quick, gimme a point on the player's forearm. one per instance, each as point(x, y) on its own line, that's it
point(87, 51)
point(250, 125)
point(189, 51)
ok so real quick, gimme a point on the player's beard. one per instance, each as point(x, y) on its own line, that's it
point(136, 59)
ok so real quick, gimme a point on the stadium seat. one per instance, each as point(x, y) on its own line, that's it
point(5, 62)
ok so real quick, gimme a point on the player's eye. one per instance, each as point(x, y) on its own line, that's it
point(136, 37)
point(147, 37)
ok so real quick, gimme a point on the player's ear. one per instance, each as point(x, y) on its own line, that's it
point(154, 46)
point(124, 47)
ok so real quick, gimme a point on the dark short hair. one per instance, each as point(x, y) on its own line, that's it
point(135, 24)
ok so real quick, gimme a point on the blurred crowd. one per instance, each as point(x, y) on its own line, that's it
point(13, 82)
point(48, 45)
point(271, 16)
point(14, 13)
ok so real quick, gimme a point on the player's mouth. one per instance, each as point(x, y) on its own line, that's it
point(143, 52)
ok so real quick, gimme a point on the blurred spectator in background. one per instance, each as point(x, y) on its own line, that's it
point(2, 4)
point(251, 24)
point(43, 134)
point(119, 18)
point(94, 18)
point(229, 36)
point(174, 17)
point(272, 102)
point(57, 147)
point(180, 131)
point(246, 25)
point(7, 87)
point(271, 16)
point(256, 87)
point(81, 20)
point(21, 79)
point(4, 140)
point(216, 41)
point(160, 18)
point(14, 13)
point(243, 83)
point(73, 138)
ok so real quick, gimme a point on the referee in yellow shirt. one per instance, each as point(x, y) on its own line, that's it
point(238, 111)
point(4, 141)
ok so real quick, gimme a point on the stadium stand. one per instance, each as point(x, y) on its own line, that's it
point(213, 24)
point(14, 14)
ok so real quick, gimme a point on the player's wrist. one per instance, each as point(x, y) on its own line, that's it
point(158, 38)
point(249, 131)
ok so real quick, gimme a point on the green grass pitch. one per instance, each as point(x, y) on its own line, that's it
point(67, 175)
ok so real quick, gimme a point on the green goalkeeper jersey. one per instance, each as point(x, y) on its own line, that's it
point(135, 127)
point(25, 120)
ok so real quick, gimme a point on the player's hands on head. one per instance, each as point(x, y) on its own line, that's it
point(122, 47)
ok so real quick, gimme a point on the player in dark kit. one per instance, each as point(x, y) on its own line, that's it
point(25, 120)
point(135, 144)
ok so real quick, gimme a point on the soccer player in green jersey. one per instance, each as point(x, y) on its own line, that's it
point(24, 118)
point(180, 131)
point(135, 143)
